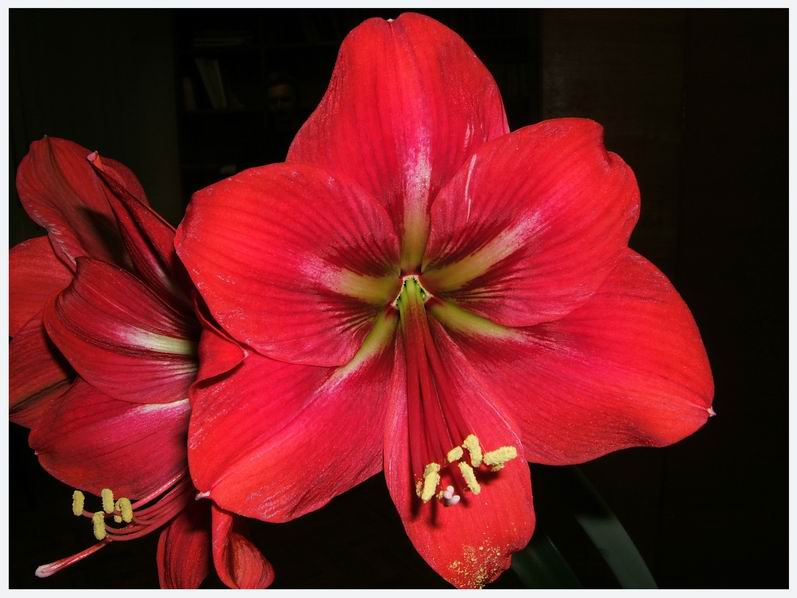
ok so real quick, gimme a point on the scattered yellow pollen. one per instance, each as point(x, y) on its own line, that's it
point(455, 454)
point(98, 519)
point(431, 478)
point(125, 509)
point(472, 444)
point(497, 458)
point(107, 500)
point(117, 519)
point(78, 500)
point(470, 477)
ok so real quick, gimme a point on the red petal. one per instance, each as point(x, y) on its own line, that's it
point(148, 238)
point(218, 352)
point(91, 441)
point(62, 193)
point(471, 543)
point(294, 437)
point(121, 337)
point(184, 549)
point(34, 275)
point(37, 374)
point(239, 563)
point(407, 104)
point(627, 368)
point(291, 261)
point(533, 224)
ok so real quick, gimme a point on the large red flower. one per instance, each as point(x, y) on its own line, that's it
point(125, 323)
point(420, 291)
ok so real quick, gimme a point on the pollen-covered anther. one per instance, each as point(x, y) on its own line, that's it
point(78, 501)
point(470, 477)
point(107, 500)
point(125, 509)
point(455, 454)
point(98, 521)
point(496, 459)
point(471, 443)
point(431, 479)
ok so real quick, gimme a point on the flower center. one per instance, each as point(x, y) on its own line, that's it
point(444, 451)
point(139, 518)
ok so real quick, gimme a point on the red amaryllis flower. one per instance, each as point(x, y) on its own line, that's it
point(420, 291)
point(130, 334)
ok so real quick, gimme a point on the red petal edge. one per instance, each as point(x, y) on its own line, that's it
point(238, 562)
point(184, 548)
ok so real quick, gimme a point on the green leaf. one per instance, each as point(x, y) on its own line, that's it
point(610, 537)
point(541, 565)
point(579, 542)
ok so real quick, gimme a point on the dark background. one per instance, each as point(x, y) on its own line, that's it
point(694, 100)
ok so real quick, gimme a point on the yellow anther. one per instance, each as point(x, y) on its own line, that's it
point(474, 448)
point(78, 500)
point(107, 500)
point(431, 478)
point(117, 519)
point(125, 509)
point(497, 458)
point(470, 477)
point(98, 520)
point(455, 454)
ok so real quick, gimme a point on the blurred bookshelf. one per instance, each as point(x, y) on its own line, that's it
point(247, 79)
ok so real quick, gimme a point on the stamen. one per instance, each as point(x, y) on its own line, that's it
point(474, 449)
point(107, 500)
point(470, 477)
point(455, 454)
point(98, 520)
point(151, 512)
point(497, 459)
point(431, 478)
point(78, 502)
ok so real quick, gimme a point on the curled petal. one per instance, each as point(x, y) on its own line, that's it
point(291, 261)
point(295, 436)
point(148, 238)
point(121, 337)
point(37, 375)
point(239, 563)
point(34, 275)
point(184, 548)
point(61, 192)
point(625, 369)
point(408, 102)
point(92, 441)
point(532, 224)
